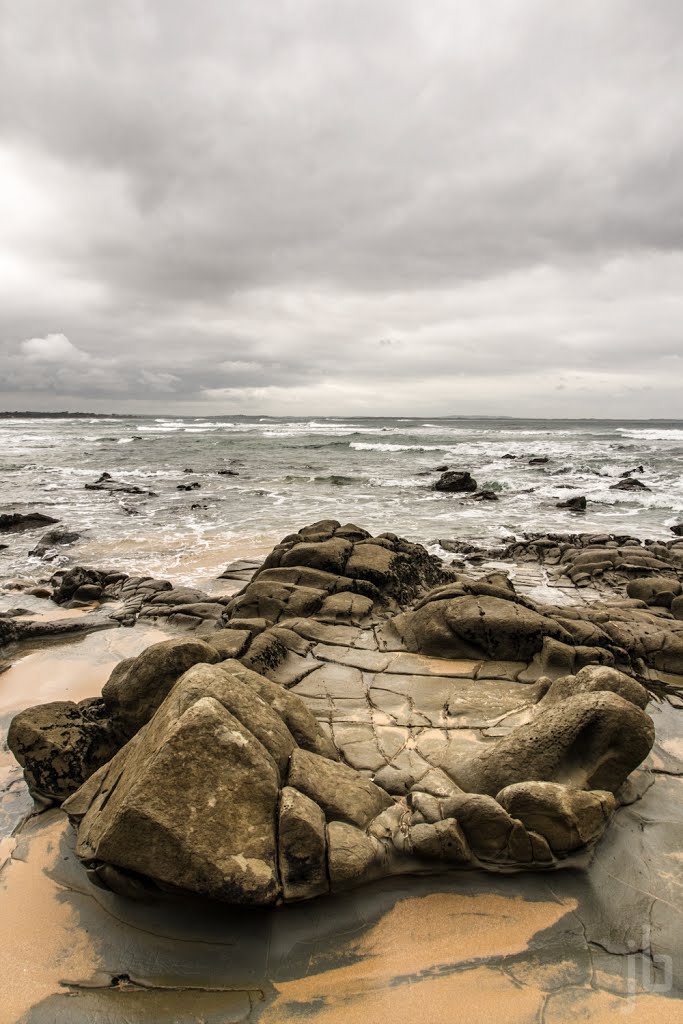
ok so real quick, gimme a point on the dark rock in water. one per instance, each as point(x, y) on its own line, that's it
point(197, 505)
point(677, 529)
point(440, 469)
point(629, 484)
point(3, 546)
point(485, 496)
point(130, 511)
point(66, 585)
point(60, 745)
point(630, 472)
point(105, 482)
point(187, 470)
point(227, 472)
point(54, 538)
point(15, 522)
point(194, 486)
point(456, 481)
point(540, 460)
point(509, 456)
point(576, 504)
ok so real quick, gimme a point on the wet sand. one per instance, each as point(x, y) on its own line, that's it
point(424, 962)
point(72, 669)
point(191, 562)
point(40, 942)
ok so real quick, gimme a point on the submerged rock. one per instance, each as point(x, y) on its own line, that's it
point(576, 504)
point(16, 522)
point(456, 481)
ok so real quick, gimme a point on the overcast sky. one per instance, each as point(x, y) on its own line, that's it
point(342, 206)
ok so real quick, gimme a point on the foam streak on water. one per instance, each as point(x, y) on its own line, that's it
point(376, 472)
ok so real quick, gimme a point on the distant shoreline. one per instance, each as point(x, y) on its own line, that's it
point(65, 414)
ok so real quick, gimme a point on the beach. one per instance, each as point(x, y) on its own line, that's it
point(595, 942)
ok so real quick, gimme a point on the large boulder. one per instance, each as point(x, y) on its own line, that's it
point(567, 818)
point(588, 741)
point(473, 626)
point(190, 803)
point(137, 686)
point(59, 745)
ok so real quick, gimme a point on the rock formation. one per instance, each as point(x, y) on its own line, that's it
point(359, 709)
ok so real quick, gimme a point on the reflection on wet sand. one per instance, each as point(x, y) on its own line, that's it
point(72, 670)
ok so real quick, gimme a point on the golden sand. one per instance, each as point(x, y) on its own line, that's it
point(40, 939)
point(412, 968)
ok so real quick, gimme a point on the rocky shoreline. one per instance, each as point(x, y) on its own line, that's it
point(355, 708)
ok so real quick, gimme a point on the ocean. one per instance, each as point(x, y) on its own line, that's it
point(378, 473)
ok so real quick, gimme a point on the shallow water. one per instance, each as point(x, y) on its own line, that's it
point(376, 472)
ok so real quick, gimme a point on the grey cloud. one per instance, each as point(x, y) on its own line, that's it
point(246, 195)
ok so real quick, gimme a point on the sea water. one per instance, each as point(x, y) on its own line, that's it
point(378, 473)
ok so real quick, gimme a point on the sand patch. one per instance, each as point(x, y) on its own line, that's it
point(72, 669)
point(413, 967)
point(40, 939)
point(408, 965)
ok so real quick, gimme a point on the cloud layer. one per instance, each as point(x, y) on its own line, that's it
point(340, 206)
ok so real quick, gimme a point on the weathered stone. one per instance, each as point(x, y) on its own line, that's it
point(190, 803)
point(352, 855)
point(60, 745)
point(658, 590)
point(137, 686)
point(589, 741)
point(477, 627)
point(441, 841)
point(566, 818)
point(594, 678)
point(340, 791)
point(302, 846)
point(295, 714)
point(255, 713)
point(229, 643)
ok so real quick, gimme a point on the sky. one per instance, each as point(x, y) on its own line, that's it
point(342, 207)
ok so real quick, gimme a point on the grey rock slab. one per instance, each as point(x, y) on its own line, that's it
point(415, 664)
point(336, 788)
point(332, 680)
point(368, 661)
